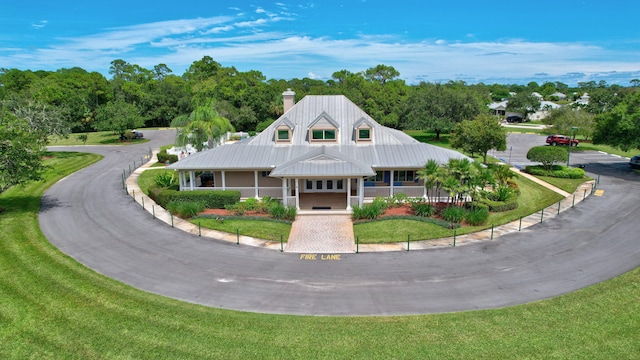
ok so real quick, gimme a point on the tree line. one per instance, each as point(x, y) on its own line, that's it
point(41, 103)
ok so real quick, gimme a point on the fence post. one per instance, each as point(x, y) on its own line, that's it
point(541, 215)
point(153, 210)
point(171, 220)
point(559, 202)
point(281, 248)
point(584, 196)
point(142, 197)
point(357, 244)
point(133, 194)
point(454, 237)
point(491, 231)
point(408, 240)
point(129, 169)
point(573, 203)
point(520, 226)
point(237, 237)
point(199, 229)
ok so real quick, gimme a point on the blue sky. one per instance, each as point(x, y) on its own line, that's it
point(434, 41)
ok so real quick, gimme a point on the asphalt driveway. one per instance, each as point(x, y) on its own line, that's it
point(89, 217)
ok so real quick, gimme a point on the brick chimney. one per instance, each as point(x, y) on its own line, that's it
point(288, 99)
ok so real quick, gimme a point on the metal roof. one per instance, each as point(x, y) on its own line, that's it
point(388, 149)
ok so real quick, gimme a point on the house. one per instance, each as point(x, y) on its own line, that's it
point(543, 111)
point(321, 149)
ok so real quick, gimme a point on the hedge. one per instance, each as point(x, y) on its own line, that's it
point(212, 199)
point(498, 206)
point(556, 171)
point(163, 157)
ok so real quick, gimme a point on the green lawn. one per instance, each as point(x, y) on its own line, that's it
point(533, 198)
point(53, 307)
point(266, 229)
point(94, 138)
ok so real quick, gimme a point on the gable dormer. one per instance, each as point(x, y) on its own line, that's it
point(363, 131)
point(323, 129)
point(283, 131)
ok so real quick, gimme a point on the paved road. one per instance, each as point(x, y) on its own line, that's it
point(88, 217)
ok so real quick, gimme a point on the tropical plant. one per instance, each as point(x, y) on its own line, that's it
point(203, 126)
point(454, 214)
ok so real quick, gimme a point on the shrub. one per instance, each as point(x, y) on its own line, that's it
point(423, 209)
point(498, 206)
point(556, 171)
point(547, 155)
point(368, 211)
point(454, 214)
point(166, 179)
point(502, 193)
point(185, 209)
point(281, 212)
point(212, 199)
point(163, 157)
point(477, 216)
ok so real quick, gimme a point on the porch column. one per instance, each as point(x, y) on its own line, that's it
point(349, 194)
point(181, 178)
point(391, 183)
point(224, 180)
point(424, 191)
point(284, 191)
point(255, 183)
point(192, 180)
point(297, 194)
point(361, 191)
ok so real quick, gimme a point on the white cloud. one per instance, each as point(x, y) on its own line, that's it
point(39, 25)
point(252, 45)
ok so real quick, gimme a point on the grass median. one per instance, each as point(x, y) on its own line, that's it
point(52, 307)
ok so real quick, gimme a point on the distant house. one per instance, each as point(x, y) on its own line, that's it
point(559, 95)
point(543, 111)
point(324, 147)
point(584, 99)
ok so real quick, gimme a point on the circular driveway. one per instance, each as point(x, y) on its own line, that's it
point(89, 217)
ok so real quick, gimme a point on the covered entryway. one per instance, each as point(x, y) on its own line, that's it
point(323, 201)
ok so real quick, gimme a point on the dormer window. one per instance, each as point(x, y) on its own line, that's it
point(284, 135)
point(283, 131)
point(363, 130)
point(323, 134)
point(364, 134)
point(323, 129)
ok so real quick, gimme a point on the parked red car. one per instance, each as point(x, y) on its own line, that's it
point(561, 140)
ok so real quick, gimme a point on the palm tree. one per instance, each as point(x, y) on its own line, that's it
point(431, 174)
point(203, 125)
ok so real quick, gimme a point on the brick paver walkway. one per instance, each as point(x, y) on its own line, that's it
point(321, 234)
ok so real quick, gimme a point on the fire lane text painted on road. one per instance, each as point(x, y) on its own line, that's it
point(323, 257)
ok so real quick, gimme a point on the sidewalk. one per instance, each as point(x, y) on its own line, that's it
point(322, 243)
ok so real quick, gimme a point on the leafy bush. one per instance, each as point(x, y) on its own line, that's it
point(166, 179)
point(547, 155)
point(502, 193)
point(423, 209)
point(557, 171)
point(185, 209)
point(499, 206)
point(477, 216)
point(454, 214)
point(369, 211)
point(279, 211)
point(163, 157)
point(396, 200)
point(212, 199)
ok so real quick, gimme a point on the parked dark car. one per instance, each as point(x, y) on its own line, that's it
point(635, 162)
point(130, 135)
point(561, 140)
point(514, 119)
